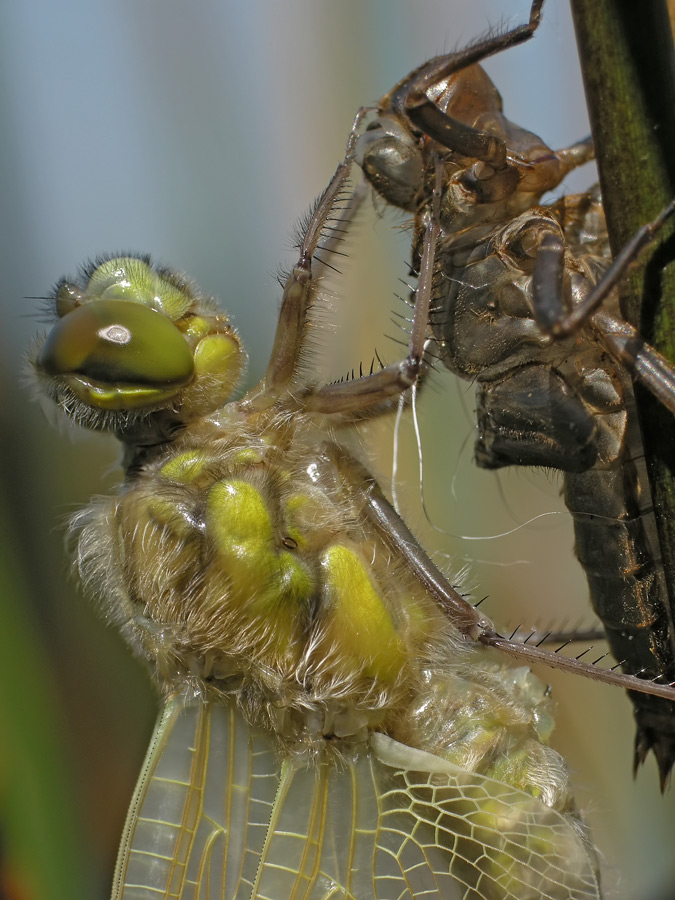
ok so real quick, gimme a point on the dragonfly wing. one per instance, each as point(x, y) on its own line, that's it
point(326, 842)
point(218, 814)
point(200, 812)
point(499, 842)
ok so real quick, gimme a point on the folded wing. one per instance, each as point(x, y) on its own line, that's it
point(218, 814)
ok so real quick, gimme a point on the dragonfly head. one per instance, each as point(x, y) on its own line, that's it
point(136, 350)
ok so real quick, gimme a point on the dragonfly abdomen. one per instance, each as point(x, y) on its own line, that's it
point(627, 587)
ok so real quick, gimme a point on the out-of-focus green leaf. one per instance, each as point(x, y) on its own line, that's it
point(41, 833)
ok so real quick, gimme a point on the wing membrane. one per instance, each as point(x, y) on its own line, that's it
point(499, 842)
point(200, 813)
point(218, 815)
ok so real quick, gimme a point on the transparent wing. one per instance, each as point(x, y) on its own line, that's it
point(497, 841)
point(200, 811)
point(217, 815)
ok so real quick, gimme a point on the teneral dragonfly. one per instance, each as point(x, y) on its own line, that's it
point(567, 405)
point(109, 178)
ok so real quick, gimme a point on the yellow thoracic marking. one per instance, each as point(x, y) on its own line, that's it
point(249, 456)
point(265, 582)
point(184, 467)
point(164, 512)
point(356, 619)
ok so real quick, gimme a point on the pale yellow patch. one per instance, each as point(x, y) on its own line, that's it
point(184, 467)
point(265, 582)
point(358, 621)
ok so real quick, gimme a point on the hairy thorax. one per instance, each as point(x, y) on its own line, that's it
point(245, 563)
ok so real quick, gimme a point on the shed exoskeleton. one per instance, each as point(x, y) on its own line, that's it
point(509, 272)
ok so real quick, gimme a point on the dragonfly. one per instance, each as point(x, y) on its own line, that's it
point(336, 720)
point(504, 257)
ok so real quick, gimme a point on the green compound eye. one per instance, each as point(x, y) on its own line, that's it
point(130, 278)
point(121, 352)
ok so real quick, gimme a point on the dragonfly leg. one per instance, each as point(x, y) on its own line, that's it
point(321, 231)
point(392, 380)
point(466, 617)
point(645, 363)
point(619, 337)
point(549, 310)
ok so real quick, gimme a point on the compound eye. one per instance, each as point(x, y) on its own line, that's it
point(391, 162)
point(119, 345)
point(133, 278)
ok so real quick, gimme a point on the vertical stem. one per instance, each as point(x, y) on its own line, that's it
point(626, 52)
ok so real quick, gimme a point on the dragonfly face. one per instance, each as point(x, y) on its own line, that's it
point(367, 88)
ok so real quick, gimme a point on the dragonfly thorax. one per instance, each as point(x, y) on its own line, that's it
point(250, 571)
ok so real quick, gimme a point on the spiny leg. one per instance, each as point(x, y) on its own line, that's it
point(549, 309)
point(366, 391)
point(619, 337)
point(392, 380)
point(291, 325)
point(470, 622)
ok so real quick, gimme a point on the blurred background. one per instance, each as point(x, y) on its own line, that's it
point(200, 132)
